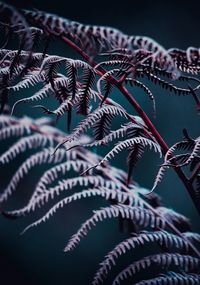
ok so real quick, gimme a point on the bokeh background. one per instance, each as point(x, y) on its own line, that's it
point(36, 258)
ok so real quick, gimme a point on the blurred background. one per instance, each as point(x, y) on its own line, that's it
point(36, 258)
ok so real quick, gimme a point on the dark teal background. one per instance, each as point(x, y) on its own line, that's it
point(36, 258)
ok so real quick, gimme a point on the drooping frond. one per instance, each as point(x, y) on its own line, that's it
point(122, 132)
point(168, 86)
point(159, 176)
point(135, 153)
point(134, 82)
point(172, 278)
point(179, 160)
point(160, 237)
point(95, 181)
point(138, 215)
point(84, 93)
point(92, 118)
point(106, 193)
point(195, 152)
point(14, 130)
point(39, 158)
point(130, 143)
point(25, 143)
point(185, 262)
point(29, 80)
point(52, 174)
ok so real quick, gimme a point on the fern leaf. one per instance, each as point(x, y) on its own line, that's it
point(116, 134)
point(72, 74)
point(30, 80)
point(161, 237)
point(185, 262)
point(30, 142)
point(135, 153)
point(6, 121)
point(66, 184)
point(172, 278)
point(182, 145)
point(15, 130)
point(84, 92)
point(130, 143)
point(194, 153)
point(92, 119)
point(106, 193)
point(102, 126)
point(39, 158)
point(138, 215)
point(134, 82)
point(168, 86)
point(159, 55)
point(159, 176)
point(52, 174)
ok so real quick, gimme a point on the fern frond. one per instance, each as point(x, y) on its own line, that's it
point(116, 134)
point(195, 152)
point(130, 143)
point(39, 95)
point(172, 278)
point(29, 80)
point(102, 127)
point(168, 86)
point(30, 142)
point(15, 130)
point(72, 75)
point(159, 176)
point(66, 184)
point(6, 121)
point(134, 82)
point(169, 159)
point(63, 107)
point(185, 262)
point(182, 145)
point(108, 194)
point(39, 158)
point(135, 154)
point(140, 216)
point(161, 237)
point(159, 55)
point(84, 93)
point(92, 118)
point(52, 174)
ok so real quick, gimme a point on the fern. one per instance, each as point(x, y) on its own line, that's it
point(161, 237)
point(83, 88)
point(127, 144)
point(172, 278)
point(30, 142)
point(186, 262)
